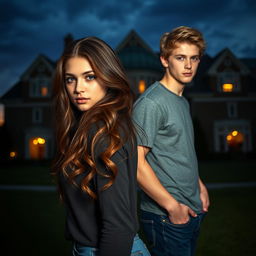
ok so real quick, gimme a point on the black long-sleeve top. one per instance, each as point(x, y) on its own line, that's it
point(109, 222)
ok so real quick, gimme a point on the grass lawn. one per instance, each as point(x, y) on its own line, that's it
point(229, 228)
point(32, 223)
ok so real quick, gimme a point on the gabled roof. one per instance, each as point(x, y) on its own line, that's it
point(136, 54)
point(131, 40)
point(14, 92)
point(40, 58)
point(220, 58)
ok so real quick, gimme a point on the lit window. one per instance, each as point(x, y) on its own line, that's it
point(39, 87)
point(13, 154)
point(228, 81)
point(44, 91)
point(227, 87)
point(1, 115)
point(142, 86)
point(39, 140)
point(235, 138)
point(37, 148)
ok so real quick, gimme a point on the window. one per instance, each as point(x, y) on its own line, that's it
point(142, 86)
point(39, 87)
point(229, 81)
point(232, 109)
point(37, 115)
point(1, 115)
point(232, 135)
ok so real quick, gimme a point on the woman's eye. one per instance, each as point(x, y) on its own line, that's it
point(69, 80)
point(90, 77)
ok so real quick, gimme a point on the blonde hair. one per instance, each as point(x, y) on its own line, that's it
point(181, 34)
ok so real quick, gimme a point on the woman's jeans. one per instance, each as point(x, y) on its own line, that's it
point(138, 249)
point(167, 239)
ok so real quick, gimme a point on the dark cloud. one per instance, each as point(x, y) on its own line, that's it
point(31, 27)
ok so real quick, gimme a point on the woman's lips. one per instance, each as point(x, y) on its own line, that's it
point(81, 100)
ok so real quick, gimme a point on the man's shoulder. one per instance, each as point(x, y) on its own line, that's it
point(152, 94)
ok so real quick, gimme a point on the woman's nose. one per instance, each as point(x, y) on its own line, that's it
point(80, 86)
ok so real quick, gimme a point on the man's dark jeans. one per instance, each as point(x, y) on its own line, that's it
point(167, 239)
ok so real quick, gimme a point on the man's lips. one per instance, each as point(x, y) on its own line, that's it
point(187, 74)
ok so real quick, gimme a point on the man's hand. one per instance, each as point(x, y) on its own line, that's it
point(180, 214)
point(204, 196)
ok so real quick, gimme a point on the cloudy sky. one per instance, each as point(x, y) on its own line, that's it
point(31, 27)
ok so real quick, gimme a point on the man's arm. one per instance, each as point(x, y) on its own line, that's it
point(150, 184)
point(204, 196)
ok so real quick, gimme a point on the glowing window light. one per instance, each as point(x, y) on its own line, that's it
point(229, 137)
point(234, 133)
point(1, 114)
point(44, 91)
point(39, 140)
point(142, 86)
point(235, 138)
point(13, 154)
point(227, 87)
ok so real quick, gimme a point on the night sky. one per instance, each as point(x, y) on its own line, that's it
point(31, 27)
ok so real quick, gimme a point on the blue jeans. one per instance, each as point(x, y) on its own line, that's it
point(167, 239)
point(138, 249)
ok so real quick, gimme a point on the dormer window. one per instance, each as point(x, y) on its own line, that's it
point(39, 87)
point(44, 91)
point(227, 87)
point(228, 82)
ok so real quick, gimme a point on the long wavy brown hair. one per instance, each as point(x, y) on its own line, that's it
point(75, 153)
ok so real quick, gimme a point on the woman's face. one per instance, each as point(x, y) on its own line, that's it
point(82, 85)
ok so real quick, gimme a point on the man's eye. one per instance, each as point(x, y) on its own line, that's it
point(69, 80)
point(180, 58)
point(195, 59)
point(90, 77)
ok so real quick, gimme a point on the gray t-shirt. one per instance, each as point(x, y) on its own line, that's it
point(167, 130)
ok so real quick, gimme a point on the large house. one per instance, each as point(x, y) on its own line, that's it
point(222, 98)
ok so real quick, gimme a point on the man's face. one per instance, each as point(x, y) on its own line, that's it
point(183, 62)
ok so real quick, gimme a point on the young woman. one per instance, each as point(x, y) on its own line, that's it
point(96, 158)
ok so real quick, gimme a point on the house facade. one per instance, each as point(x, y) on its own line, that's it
point(222, 104)
point(28, 121)
point(222, 99)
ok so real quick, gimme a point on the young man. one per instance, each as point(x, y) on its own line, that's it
point(174, 199)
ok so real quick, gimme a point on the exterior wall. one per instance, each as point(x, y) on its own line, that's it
point(21, 128)
point(148, 76)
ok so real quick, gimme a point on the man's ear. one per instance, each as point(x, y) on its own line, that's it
point(164, 61)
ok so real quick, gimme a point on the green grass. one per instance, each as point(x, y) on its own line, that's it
point(229, 228)
point(28, 173)
point(32, 223)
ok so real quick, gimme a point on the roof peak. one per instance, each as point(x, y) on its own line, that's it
point(133, 39)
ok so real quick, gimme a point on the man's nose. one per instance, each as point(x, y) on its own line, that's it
point(188, 64)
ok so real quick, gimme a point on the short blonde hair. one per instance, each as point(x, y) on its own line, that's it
point(180, 35)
